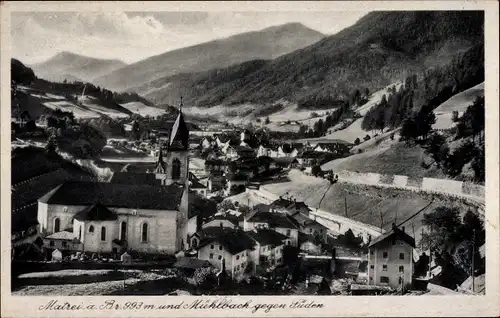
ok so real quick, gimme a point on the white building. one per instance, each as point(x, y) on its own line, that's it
point(277, 221)
point(390, 259)
point(231, 249)
point(110, 217)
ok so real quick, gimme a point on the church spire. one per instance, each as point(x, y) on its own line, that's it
point(179, 136)
point(160, 163)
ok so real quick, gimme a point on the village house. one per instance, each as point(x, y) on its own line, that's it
point(309, 244)
point(269, 247)
point(286, 162)
point(196, 186)
point(215, 165)
point(262, 217)
point(236, 181)
point(263, 151)
point(390, 260)
point(289, 206)
point(222, 220)
point(308, 158)
point(231, 249)
point(311, 227)
point(338, 148)
point(216, 181)
point(63, 241)
point(208, 142)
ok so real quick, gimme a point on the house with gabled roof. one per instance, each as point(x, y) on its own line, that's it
point(390, 260)
point(230, 249)
point(269, 246)
point(262, 217)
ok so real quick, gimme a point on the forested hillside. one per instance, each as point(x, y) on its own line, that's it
point(381, 48)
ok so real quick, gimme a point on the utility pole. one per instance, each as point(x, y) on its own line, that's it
point(345, 205)
point(473, 254)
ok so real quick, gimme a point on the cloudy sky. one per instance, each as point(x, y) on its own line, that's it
point(133, 36)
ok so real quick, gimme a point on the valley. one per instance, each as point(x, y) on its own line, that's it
point(278, 146)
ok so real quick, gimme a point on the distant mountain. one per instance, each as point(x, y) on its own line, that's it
point(381, 48)
point(265, 44)
point(73, 67)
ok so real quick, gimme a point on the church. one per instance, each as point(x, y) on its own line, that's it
point(107, 217)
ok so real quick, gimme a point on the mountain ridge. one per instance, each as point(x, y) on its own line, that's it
point(267, 43)
point(70, 66)
point(381, 48)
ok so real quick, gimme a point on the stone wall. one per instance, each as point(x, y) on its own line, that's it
point(445, 186)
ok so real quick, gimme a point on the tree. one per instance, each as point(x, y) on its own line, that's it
point(409, 129)
point(424, 121)
point(454, 116)
point(357, 141)
point(444, 223)
point(437, 148)
point(51, 146)
point(316, 171)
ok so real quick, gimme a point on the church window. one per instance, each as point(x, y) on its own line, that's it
point(123, 230)
point(212, 247)
point(176, 169)
point(91, 229)
point(64, 244)
point(80, 230)
point(57, 225)
point(211, 255)
point(103, 233)
point(51, 243)
point(144, 232)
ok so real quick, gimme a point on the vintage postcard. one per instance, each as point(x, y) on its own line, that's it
point(170, 159)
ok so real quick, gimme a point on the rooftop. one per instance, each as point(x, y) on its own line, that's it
point(135, 178)
point(267, 237)
point(63, 235)
point(394, 233)
point(96, 212)
point(234, 241)
point(274, 219)
point(115, 195)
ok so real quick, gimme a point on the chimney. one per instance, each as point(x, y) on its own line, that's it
point(403, 228)
point(394, 226)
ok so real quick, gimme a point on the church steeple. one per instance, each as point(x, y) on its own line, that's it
point(179, 136)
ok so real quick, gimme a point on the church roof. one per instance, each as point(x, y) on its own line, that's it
point(135, 178)
point(180, 134)
point(96, 212)
point(134, 196)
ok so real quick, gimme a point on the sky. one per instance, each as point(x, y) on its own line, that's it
point(133, 36)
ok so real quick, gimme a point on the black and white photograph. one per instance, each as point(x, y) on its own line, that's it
point(233, 153)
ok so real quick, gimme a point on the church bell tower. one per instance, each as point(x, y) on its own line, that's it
point(173, 166)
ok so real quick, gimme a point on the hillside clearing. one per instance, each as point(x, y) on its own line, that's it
point(459, 103)
point(398, 159)
point(143, 110)
point(462, 100)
